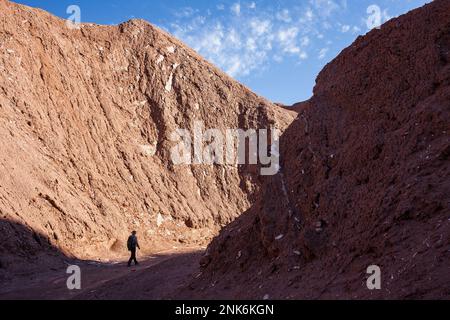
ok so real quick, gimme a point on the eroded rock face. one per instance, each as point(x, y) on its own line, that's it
point(365, 179)
point(86, 120)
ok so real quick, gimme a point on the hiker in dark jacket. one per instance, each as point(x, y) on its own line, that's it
point(132, 243)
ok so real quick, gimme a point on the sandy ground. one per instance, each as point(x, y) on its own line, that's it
point(156, 277)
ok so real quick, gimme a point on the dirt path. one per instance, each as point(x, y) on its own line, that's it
point(156, 277)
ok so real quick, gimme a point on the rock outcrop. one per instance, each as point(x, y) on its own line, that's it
point(365, 180)
point(86, 120)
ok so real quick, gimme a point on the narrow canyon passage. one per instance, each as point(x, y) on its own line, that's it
point(107, 130)
point(156, 277)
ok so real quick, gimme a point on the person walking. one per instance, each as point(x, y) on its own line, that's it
point(132, 244)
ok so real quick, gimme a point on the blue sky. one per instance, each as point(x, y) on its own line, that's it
point(275, 47)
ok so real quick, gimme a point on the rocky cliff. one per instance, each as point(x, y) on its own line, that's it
point(365, 180)
point(86, 120)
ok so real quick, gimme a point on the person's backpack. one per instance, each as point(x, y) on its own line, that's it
point(130, 243)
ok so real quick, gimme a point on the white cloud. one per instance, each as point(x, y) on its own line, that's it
point(233, 37)
point(287, 38)
point(242, 41)
point(284, 16)
point(323, 52)
point(236, 8)
point(327, 25)
point(287, 35)
point(278, 58)
point(356, 29)
point(185, 12)
point(309, 15)
point(235, 65)
point(325, 7)
point(251, 44)
point(303, 55)
point(345, 28)
point(260, 27)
